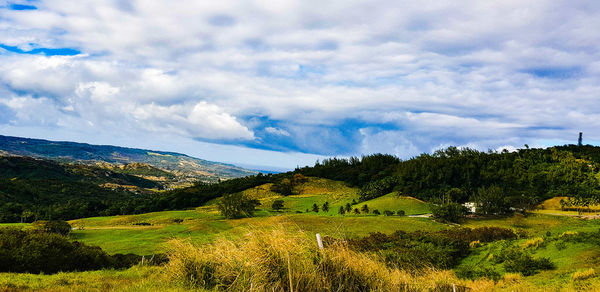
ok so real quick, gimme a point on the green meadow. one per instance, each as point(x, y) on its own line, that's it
point(151, 233)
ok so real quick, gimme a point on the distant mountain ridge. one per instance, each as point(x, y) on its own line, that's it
point(128, 159)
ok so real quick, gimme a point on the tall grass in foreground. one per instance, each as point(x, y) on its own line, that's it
point(280, 260)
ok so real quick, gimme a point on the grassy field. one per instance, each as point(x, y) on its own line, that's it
point(204, 225)
point(394, 202)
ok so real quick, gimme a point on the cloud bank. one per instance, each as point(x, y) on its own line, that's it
point(335, 78)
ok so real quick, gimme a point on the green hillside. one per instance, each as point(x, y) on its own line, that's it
point(394, 202)
point(177, 164)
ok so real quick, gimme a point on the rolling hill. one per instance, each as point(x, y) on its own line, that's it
point(126, 160)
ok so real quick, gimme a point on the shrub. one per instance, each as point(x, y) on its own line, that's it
point(142, 224)
point(476, 271)
point(277, 205)
point(388, 213)
point(481, 234)
point(520, 262)
point(54, 226)
point(413, 250)
point(400, 213)
point(35, 252)
point(376, 212)
point(365, 209)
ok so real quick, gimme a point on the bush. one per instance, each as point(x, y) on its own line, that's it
point(400, 213)
point(277, 205)
point(413, 250)
point(55, 226)
point(388, 213)
point(476, 271)
point(449, 212)
point(520, 262)
point(481, 234)
point(35, 252)
point(143, 223)
point(376, 212)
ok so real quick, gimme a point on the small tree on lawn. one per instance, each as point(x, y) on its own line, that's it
point(365, 209)
point(348, 208)
point(400, 213)
point(388, 213)
point(376, 212)
point(237, 205)
point(277, 205)
point(342, 211)
point(356, 211)
point(315, 208)
point(325, 207)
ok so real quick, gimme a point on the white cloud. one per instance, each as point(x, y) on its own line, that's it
point(277, 131)
point(416, 75)
point(200, 120)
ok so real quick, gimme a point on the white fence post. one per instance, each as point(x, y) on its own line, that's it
point(319, 241)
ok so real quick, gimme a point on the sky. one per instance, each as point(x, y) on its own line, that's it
point(280, 84)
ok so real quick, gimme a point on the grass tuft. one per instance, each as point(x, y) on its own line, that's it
point(583, 275)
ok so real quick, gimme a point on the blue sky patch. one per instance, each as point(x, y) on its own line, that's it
point(45, 51)
point(554, 73)
point(21, 7)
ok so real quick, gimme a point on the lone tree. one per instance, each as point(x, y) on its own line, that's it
point(237, 205)
point(315, 208)
point(342, 211)
point(325, 207)
point(356, 211)
point(365, 209)
point(348, 207)
point(277, 205)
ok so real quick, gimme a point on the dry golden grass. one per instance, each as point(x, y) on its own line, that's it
point(534, 243)
point(285, 259)
point(583, 275)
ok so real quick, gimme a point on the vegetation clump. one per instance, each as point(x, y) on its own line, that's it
point(53, 226)
point(40, 252)
point(237, 205)
point(280, 260)
point(449, 212)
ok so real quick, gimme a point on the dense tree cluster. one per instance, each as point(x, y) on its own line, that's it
point(496, 181)
point(505, 179)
